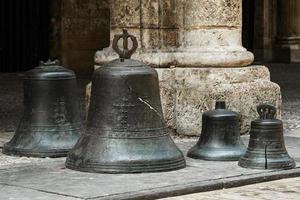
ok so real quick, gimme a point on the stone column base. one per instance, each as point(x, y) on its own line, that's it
point(188, 92)
point(289, 53)
point(185, 58)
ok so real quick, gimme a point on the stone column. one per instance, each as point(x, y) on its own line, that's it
point(154, 24)
point(196, 48)
point(195, 33)
point(210, 34)
point(288, 30)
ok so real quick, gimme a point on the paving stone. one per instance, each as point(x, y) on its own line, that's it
point(21, 193)
point(283, 189)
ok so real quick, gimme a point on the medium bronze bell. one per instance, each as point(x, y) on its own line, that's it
point(125, 130)
point(220, 137)
point(51, 123)
point(266, 149)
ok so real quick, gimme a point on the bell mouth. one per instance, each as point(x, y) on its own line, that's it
point(21, 152)
point(220, 105)
point(232, 153)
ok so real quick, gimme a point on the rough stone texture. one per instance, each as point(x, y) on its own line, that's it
point(188, 92)
point(196, 33)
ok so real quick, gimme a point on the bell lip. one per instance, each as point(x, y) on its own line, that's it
point(53, 153)
point(261, 166)
point(232, 154)
point(129, 168)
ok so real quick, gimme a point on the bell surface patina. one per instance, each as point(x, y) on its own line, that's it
point(266, 149)
point(220, 137)
point(51, 123)
point(125, 130)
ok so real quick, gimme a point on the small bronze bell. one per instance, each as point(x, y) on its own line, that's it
point(266, 149)
point(51, 123)
point(220, 137)
point(125, 130)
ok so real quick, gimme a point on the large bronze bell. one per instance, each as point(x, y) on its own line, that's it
point(220, 137)
point(51, 123)
point(125, 131)
point(266, 149)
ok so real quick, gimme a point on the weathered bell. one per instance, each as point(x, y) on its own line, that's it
point(220, 137)
point(125, 130)
point(266, 149)
point(51, 123)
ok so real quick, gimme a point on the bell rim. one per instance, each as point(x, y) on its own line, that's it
point(129, 168)
point(53, 153)
point(271, 166)
point(232, 154)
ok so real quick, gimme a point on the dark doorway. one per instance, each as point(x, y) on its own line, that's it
point(248, 24)
point(24, 34)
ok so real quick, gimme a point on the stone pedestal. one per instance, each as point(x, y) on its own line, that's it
point(288, 31)
point(196, 48)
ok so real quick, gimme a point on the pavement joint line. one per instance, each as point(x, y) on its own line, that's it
point(40, 161)
point(202, 186)
point(44, 191)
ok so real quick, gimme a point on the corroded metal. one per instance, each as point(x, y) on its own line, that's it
point(125, 130)
point(266, 149)
point(220, 137)
point(51, 123)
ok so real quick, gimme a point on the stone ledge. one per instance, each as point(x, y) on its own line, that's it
point(214, 57)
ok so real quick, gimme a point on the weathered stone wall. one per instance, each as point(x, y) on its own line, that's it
point(79, 28)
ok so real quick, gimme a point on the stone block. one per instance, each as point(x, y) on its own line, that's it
point(192, 101)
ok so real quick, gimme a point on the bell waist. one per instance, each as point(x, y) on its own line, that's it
point(127, 133)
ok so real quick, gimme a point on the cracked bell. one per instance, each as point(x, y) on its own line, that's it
point(220, 137)
point(266, 149)
point(51, 123)
point(125, 132)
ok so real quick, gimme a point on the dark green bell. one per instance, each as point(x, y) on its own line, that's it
point(51, 123)
point(220, 137)
point(266, 149)
point(125, 132)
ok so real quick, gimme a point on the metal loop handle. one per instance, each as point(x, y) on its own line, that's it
point(266, 111)
point(125, 53)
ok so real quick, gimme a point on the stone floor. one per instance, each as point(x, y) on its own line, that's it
point(29, 178)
